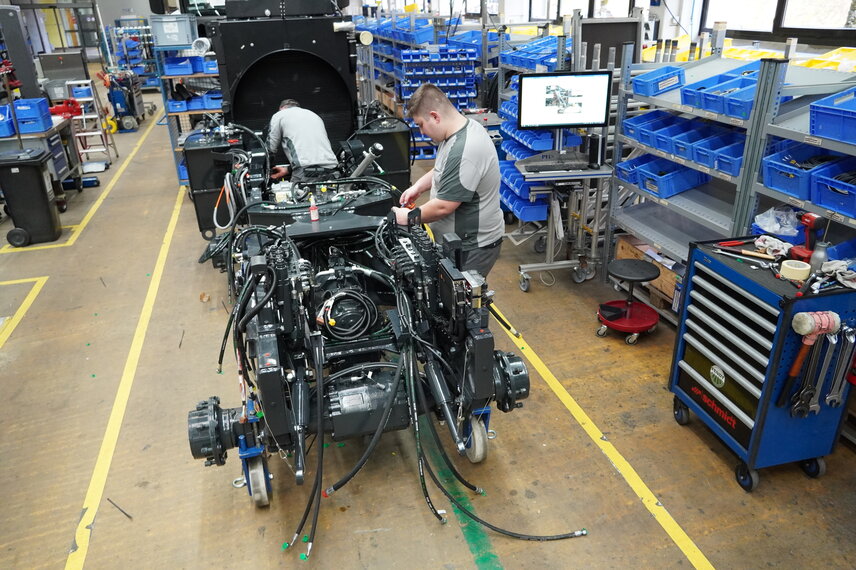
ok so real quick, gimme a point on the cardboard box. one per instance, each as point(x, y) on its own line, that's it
point(628, 247)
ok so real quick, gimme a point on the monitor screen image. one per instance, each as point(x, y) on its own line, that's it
point(564, 99)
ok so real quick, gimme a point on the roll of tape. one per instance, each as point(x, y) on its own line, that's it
point(793, 269)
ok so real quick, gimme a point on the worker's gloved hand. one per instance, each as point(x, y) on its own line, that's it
point(408, 197)
point(400, 215)
point(278, 172)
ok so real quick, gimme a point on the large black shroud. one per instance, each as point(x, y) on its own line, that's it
point(265, 61)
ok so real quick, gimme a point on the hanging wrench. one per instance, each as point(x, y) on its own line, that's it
point(831, 345)
point(833, 399)
point(804, 395)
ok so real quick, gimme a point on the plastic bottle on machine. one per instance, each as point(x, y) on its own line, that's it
point(313, 209)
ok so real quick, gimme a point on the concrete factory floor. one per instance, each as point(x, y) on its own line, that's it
point(114, 337)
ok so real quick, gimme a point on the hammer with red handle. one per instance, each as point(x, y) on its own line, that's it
point(810, 325)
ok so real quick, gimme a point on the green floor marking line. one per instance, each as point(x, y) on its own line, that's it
point(477, 539)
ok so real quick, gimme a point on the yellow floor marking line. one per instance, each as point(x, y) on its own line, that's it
point(78, 229)
point(83, 532)
point(672, 528)
point(9, 325)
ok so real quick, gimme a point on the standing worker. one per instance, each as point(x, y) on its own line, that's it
point(303, 138)
point(464, 183)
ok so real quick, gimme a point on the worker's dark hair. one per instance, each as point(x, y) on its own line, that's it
point(288, 103)
point(428, 97)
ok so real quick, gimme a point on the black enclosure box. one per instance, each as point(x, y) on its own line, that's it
point(28, 191)
point(265, 61)
point(204, 171)
point(280, 9)
point(394, 136)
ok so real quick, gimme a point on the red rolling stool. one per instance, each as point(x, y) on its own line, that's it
point(627, 315)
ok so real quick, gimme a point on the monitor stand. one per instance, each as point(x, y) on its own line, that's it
point(554, 161)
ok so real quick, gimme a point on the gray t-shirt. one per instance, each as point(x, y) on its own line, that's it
point(466, 170)
point(303, 138)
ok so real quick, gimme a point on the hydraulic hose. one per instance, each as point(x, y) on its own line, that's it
point(420, 392)
point(243, 298)
point(319, 397)
point(512, 534)
point(257, 308)
point(387, 411)
point(414, 416)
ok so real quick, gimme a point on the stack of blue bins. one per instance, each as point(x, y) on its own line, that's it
point(730, 94)
point(473, 40)
point(708, 144)
point(34, 115)
point(514, 195)
point(540, 51)
point(451, 69)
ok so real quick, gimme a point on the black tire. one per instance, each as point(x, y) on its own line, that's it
point(18, 237)
point(747, 478)
point(540, 245)
point(814, 467)
point(62, 206)
point(681, 412)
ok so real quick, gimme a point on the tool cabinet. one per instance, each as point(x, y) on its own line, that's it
point(734, 350)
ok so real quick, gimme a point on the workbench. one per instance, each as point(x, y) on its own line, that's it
point(59, 141)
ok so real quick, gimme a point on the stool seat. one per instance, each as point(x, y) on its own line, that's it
point(633, 270)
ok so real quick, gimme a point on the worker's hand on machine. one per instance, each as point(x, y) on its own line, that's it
point(278, 172)
point(400, 215)
point(408, 198)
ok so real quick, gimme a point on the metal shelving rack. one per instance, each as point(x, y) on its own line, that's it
point(138, 28)
point(178, 122)
point(725, 206)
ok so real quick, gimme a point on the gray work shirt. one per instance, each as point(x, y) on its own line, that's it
point(303, 138)
point(466, 170)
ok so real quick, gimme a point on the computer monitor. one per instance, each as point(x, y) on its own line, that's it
point(563, 99)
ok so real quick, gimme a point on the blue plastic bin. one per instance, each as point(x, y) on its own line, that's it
point(648, 131)
point(843, 250)
point(664, 139)
point(631, 126)
point(78, 92)
point(834, 117)
point(173, 106)
point(182, 170)
point(37, 125)
point(7, 125)
point(714, 98)
point(705, 150)
point(692, 94)
point(196, 104)
point(658, 81)
point(627, 170)
point(210, 66)
point(32, 108)
point(730, 159)
point(178, 66)
point(780, 175)
point(797, 239)
point(213, 99)
point(665, 178)
point(682, 144)
point(837, 195)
